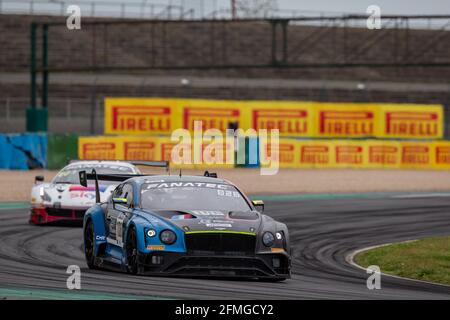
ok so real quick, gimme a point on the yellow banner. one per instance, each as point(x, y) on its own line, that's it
point(150, 116)
point(141, 148)
point(151, 148)
point(295, 119)
point(288, 153)
point(383, 154)
point(100, 148)
point(416, 155)
point(213, 114)
point(138, 116)
point(441, 154)
point(316, 154)
point(411, 121)
point(292, 153)
point(345, 120)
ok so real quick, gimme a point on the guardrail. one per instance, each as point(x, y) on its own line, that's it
point(135, 10)
point(64, 108)
point(199, 9)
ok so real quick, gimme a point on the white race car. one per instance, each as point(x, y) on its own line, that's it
point(65, 199)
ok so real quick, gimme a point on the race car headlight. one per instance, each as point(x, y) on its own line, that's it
point(268, 239)
point(168, 237)
point(151, 233)
point(44, 195)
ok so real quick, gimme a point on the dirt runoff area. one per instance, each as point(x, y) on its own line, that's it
point(16, 185)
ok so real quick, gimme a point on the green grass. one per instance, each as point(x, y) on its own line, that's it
point(426, 259)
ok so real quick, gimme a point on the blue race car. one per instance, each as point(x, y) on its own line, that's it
point(176, 225)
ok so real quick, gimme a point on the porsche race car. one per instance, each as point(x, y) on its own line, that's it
point(65, 199)
point(175, 225)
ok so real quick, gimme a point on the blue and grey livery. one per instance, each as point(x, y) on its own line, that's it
point(183, 226)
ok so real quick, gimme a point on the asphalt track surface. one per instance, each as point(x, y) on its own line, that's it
point(323, 233)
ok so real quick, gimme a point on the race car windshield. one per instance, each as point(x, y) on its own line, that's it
point(70, 174)
point(192, 196)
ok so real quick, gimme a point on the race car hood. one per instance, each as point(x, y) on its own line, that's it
point(204, 220)
point(72, 195)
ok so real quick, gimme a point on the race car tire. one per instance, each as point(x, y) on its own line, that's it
point(89, 244)
point(132, 253)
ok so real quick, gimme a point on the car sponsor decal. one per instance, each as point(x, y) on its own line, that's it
point(228, 193)
point(102, 188)
point(156, 247)
point(82, 194)
point(187, 184)
point(208, 213)
point(119, 229)
point(181, 216)
point(218, 225)
point(114, 242)
point(213, 223)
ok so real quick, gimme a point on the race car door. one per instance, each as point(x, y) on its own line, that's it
point(119, 213)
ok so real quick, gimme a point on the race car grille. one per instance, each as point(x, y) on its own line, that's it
point(67, 213)
point(220, 243)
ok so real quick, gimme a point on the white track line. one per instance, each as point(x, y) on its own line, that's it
point(350, 259)
point(421, 195)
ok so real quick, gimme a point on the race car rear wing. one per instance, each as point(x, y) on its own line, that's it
point(160, 164)
point(84, 177)
point(157, 164)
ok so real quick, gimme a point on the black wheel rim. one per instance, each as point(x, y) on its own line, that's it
point(89, 241)
point(131, 251)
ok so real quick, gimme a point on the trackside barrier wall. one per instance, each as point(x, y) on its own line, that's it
point(23, 151)
point(294, 153)
point(61, 149)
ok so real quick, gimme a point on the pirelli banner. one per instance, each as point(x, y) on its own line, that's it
point(150, 116)
point(139, 148)
point(363, 154)
point(293, 153)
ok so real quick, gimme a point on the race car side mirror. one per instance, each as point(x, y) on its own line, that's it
point(258, 204)
point(38, 179)
point(83, 178)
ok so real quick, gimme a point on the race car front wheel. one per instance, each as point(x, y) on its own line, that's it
point(132, 257)
point(89, 244)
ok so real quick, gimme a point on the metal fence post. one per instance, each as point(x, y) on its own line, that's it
point(33, 86)
point(7, 105)
point(45, 66)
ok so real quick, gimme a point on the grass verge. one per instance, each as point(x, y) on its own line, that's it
point(427, 259)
